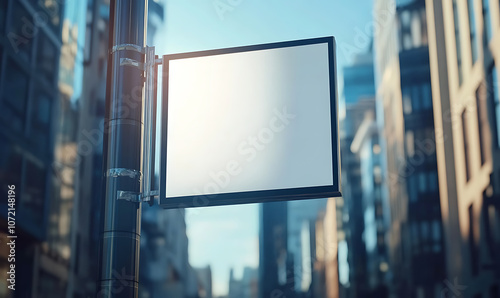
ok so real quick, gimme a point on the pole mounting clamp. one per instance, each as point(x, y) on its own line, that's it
point(127, 47)
point(136, 197)
point(133, 63)
point(121, 172)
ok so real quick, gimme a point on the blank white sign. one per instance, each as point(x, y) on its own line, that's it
point(249, 121)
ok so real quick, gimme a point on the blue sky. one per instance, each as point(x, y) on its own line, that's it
point(227, 237)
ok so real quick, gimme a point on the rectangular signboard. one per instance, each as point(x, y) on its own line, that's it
point(250, 124)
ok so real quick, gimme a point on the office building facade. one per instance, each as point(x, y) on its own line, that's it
point(464, 47)
point(39, 61)
point(404, 99)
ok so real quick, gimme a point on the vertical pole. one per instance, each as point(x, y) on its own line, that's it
point(121, 218)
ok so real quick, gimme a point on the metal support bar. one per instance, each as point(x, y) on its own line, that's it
point(147, 119)
point(154, 179)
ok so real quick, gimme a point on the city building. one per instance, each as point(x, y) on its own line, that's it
point(40, 57)
point(359, 78)
point(330, 251)
point(405, 111)
point(300, 212)
point(325, 282)
point(464, 47)
point(275, 270)
point(246, 287)
point(366, 144)
point(164, 268)
point(364, 197)
point(204, 276)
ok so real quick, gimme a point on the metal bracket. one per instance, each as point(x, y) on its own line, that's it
point(132, 62)
point(121, 172)
point(136, 197)
point(128, 47)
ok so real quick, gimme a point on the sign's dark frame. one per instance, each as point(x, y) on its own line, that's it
point(314, 192)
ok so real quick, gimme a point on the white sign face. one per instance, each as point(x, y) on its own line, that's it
point(250, 124)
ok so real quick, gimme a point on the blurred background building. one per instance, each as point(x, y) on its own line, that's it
point(464, 47)
point(246, 287)
point(40, 82)
point(275, 267)
point(362, 183)
point(405, 104)
point(204, 282)
point(301, 214)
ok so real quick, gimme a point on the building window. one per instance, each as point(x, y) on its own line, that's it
point(46, 59)
point(494, 93)
point(54, 11)
point(466, 144)
point(457, 42)
point(426, 235)
point(422, 183)
point(14, 96)
point(404, 27)
point(494, 292)
point(436, 235)
point(21, 31)
point(425, 39)
point(410, 144)
point(34, 191)
point(483, 125)
point(413, 188)
point(487, 21)
point(415, 236)
point(3, 16)
point(10, 167)
point(420, 292)
point(473, 33)
point(412, 29)
point(472, 243)
point(416, 29)
point(40, 121)
point(427, 96)
point(491, 226)
point(415, 98)
point(407, 100)
point(433, 181)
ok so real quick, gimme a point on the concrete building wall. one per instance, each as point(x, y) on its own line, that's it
point(464, 47)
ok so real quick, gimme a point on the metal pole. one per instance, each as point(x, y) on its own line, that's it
point(121, 218)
